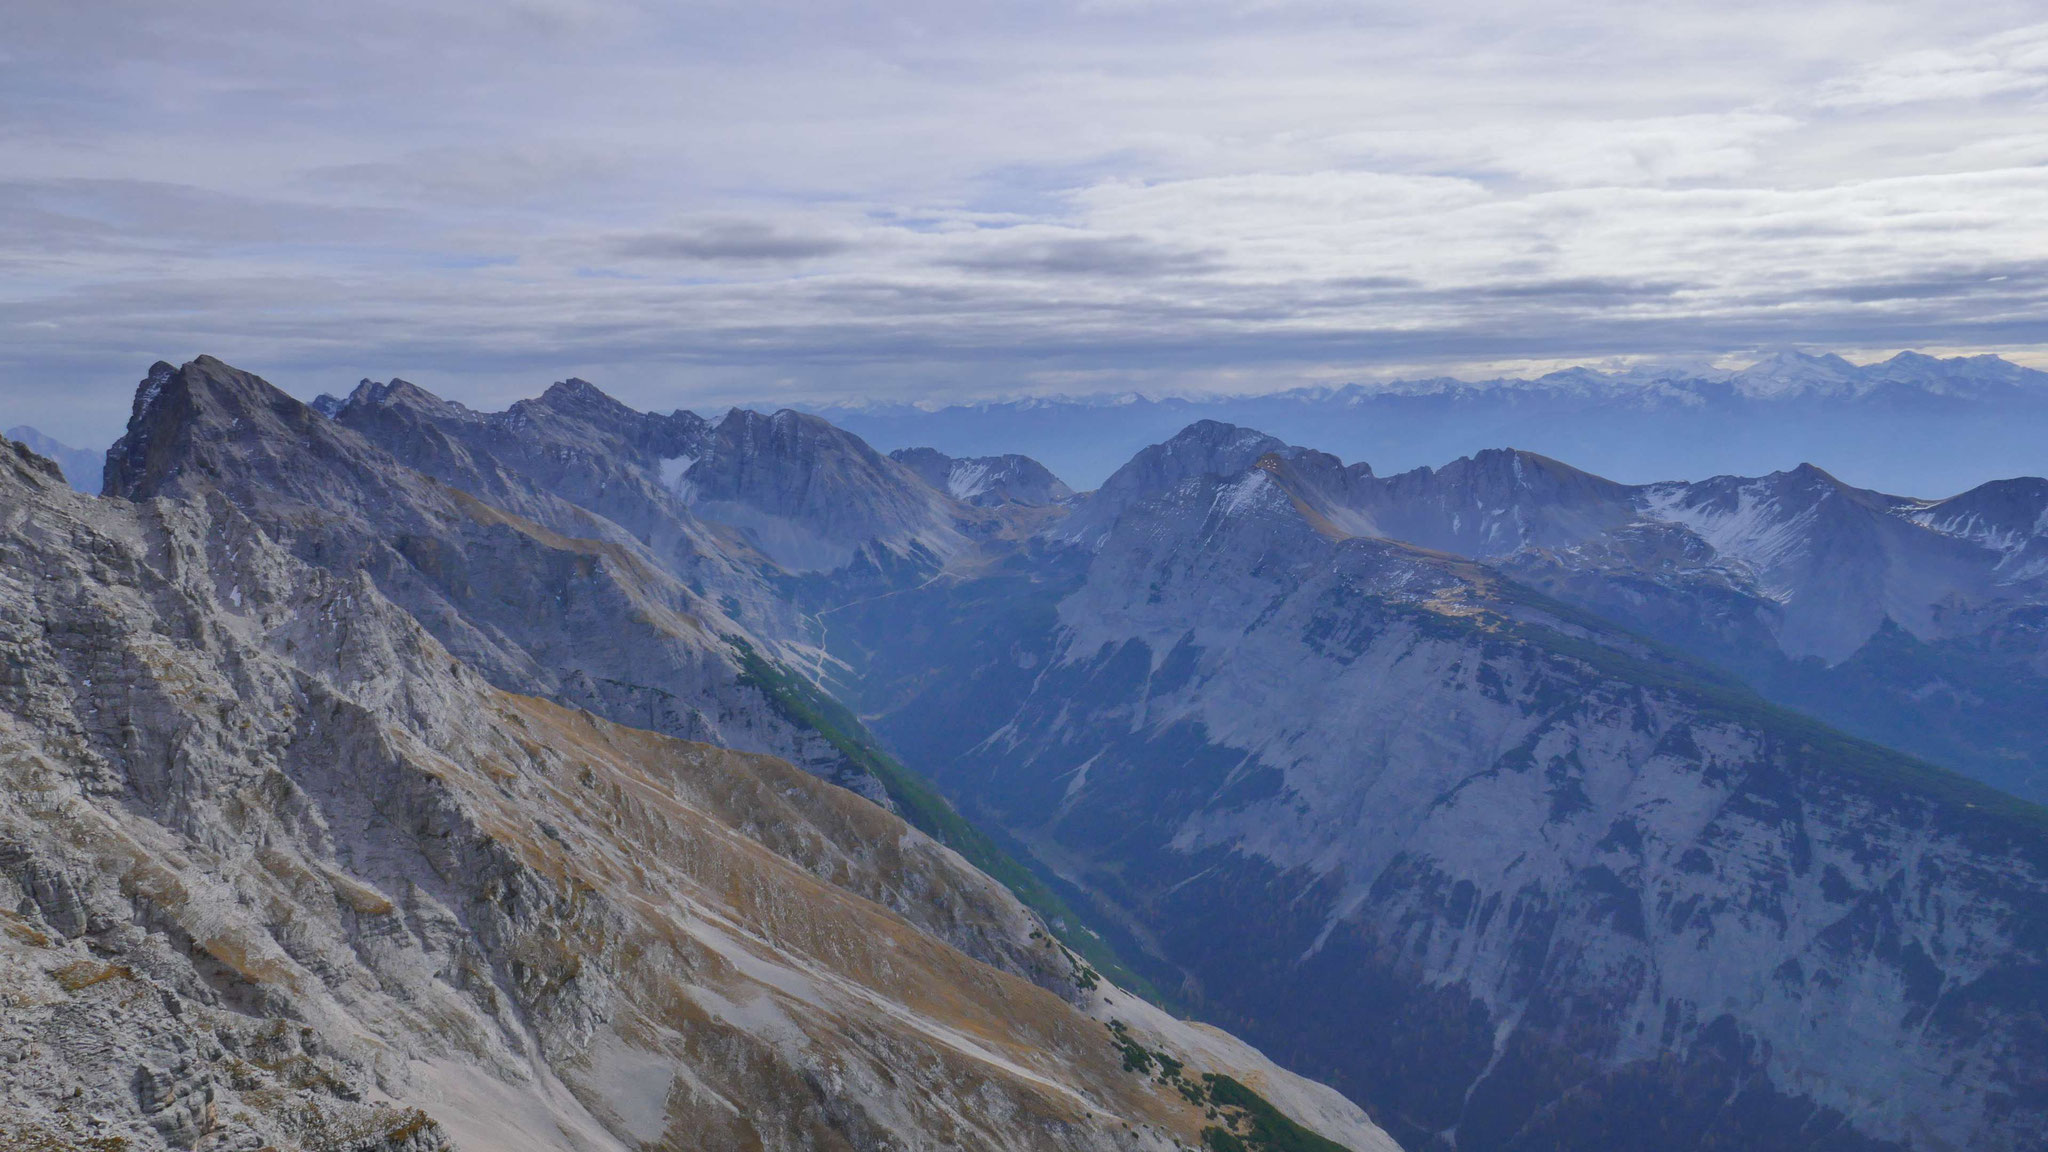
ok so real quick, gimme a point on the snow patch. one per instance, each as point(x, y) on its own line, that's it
point(672, 470)
point(968, 479)
point(1242, 494)
point(1758, 533)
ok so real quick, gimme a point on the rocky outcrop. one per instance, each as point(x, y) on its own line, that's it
point(814, 498)
point(986, 481)
point(582, 464)
point(1206, 448)
point(280, 869)
point(579, 464)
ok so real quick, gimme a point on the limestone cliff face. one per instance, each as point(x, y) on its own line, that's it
point(279, 869)
point(987, 481)
point(1916, 623)
point(554, 545)
point(813, 497)
point(539, 593)
point(1511, 876)
point(580, 463)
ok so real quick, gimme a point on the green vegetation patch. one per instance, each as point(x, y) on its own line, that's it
point(1254, 1125)
point(804, 704)
point(1250, 1123)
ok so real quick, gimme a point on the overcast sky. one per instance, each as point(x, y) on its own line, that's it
point(690, 203)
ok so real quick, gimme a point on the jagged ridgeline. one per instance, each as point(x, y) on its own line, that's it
point(351, 804)
point(548, 547)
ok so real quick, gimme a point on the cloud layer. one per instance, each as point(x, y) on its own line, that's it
point(814, 199)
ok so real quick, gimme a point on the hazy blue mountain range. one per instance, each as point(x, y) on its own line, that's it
point(1912, 423)
point(81, 465)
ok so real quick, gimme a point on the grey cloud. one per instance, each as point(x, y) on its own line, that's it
point(57, 213)
point(1114, 256)
point(1586, 289)
point(739, 242)
point(2025, 280)
point(1375, 283)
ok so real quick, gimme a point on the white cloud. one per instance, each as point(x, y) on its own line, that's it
point(2011, 63)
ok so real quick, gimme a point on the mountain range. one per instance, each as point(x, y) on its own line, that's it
point(81, 466)
point(1913, 422)
point(394, 771)
point(1504, 867)
point(320, 831)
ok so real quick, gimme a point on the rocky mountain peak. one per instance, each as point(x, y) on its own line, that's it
point(160, 374)
point(1224, 441)
point(812, 495)
point(2009, 517)
point(1959, 376)
point(30, 467)
point(2019, 504)
point(1505, 470)
point(787, 461)
point(397, 393)
point(1489, 504)
point(985, 481)
point(1791, 373)
point(1206, 448)
point(186, 421)
point(578, 397)
point(788, 434)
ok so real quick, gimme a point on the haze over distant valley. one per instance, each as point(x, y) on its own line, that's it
point(1909, 423)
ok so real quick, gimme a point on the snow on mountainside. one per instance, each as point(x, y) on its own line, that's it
point(2009, 517)
point(985, 480)
point(1836, 560)
point(1781, 375)
point(1919, 623)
